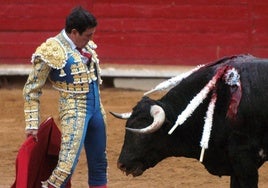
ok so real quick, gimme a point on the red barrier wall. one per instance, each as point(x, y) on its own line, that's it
point(175, 32)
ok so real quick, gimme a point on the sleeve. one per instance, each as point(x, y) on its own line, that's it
point(32, 91)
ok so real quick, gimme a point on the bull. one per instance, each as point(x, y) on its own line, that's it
point(216, 113)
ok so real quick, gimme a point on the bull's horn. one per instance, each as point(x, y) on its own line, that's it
point(122, 115)
point(159, 116)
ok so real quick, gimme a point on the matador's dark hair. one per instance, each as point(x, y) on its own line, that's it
point(80, 19)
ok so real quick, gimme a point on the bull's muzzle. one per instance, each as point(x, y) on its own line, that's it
point(136, 170)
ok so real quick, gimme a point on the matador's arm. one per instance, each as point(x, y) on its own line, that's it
point(32, 92)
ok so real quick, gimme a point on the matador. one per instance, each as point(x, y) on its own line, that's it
point(75, 73)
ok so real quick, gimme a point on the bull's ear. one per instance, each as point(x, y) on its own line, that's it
point(122, 115)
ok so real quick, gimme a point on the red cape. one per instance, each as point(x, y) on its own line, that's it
point(36, 160)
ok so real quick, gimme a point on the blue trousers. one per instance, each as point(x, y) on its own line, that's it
point(83, 124)
point(95, 142)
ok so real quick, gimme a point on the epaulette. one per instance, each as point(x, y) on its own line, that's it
point(91, 45)
point(53, 53)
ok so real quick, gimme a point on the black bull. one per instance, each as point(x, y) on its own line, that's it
point(238, 141)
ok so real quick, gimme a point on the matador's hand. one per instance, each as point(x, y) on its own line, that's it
point(32, 132)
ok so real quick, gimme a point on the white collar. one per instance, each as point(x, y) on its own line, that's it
point(73, 46)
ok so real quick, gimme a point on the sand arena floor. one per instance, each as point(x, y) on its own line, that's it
point(170, 173)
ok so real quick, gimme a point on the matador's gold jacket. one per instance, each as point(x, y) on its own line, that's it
point(57, 61)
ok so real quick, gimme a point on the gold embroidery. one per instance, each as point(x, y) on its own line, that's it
point(53, 53)
point(77, 57)
point(31, 113)
point(91, 46)
point(78, 68)
point(62, 73)
point(32, 92)
point(71, 87)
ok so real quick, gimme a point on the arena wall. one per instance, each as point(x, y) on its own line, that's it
point(171, 32)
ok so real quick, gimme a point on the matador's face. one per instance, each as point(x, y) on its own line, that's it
point(81, 40)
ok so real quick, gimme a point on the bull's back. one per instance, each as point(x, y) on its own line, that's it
point(254, 83)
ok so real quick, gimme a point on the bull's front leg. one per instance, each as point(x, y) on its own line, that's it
point(238, 182)
point(244, 163)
